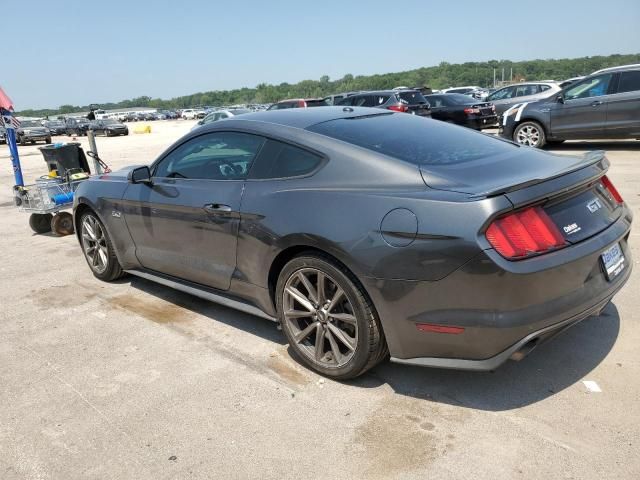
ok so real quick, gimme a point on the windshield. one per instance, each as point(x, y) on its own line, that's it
point(414, 139)
point(240, 111)
point(110, 121)
point(412, 97)
point(29, 123)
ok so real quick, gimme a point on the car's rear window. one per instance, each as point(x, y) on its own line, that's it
point(412, 97)
point(460, 99)
point(317, 103)
point(413, 139)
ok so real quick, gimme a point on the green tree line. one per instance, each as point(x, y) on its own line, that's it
point(441, 76)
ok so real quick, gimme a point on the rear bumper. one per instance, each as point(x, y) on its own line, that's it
point(516, 351)
point(501, 305)
point(483, 122)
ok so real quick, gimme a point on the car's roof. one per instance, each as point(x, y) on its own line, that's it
point(303, 117)
point(318, 99)
point(635, 66)
point(382, 92)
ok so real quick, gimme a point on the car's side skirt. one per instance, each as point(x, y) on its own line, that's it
point(203, 293)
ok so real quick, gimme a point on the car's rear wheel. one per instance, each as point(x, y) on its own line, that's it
point(97, 248)
point(331, 324)
point(530, 134)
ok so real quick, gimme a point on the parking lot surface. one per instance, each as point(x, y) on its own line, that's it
point(135, 380)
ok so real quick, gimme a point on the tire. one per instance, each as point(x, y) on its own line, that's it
point(40, 222)
point(352, 340)
point(21, 141)
point(530, 134)
point(95, 239)
point(48, 140)
point(62, 224)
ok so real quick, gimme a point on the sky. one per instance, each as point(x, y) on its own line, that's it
point(81, 52)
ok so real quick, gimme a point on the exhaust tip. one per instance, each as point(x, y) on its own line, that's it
point(525, 350)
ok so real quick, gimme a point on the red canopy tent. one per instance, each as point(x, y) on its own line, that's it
point(5, 101)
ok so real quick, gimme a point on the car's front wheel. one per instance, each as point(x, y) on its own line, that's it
point(329, 321)
point(530, 134)
point(98, 249)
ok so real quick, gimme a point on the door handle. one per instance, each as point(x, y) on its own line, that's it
point(217, 208)
point(596, 103)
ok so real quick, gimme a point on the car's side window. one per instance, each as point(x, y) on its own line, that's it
point(436, 102)
point(629, 81)
point(213, 156)
point(364, 101)
point(281, 160)
point(526, 90)
point(347, 101)
point(591, 87)
point(543, 88)
point(505, 93)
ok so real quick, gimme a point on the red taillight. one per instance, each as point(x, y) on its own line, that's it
point(399, 108)
point(524, 233)
point(302, 104)
point(611, 189)
point(470, 110)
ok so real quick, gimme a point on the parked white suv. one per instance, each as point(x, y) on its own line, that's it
point(189, 113)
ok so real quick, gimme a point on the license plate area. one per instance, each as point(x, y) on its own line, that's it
point(613, 261)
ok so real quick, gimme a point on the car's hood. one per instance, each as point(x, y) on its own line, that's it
point(504, 173)
point(120, 175)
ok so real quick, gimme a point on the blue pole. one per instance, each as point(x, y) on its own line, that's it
point(13, 148)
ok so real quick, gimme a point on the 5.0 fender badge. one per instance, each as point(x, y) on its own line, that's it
point(116, 213)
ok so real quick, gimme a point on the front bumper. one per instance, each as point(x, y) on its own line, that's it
point(35, 136)
point(501, 305)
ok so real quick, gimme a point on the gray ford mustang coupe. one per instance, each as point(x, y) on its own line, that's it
point(369, 234)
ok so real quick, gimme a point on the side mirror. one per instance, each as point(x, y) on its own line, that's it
point(140, 175)
point(560, 99)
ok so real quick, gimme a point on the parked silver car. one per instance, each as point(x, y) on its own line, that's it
point(220, 115)
point(504, 98)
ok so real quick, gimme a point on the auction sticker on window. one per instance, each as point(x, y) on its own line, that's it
point(613, 261)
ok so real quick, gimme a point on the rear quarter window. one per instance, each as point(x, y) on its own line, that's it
point(281, 160)
point(414, 139)
point(629, 82)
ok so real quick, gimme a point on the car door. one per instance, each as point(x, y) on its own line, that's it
point(623, 108)
point(583, 110)
point(503, 99)
point(438, 108)
point(185, 223)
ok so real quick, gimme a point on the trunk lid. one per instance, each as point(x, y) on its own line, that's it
point(569, 189)
point(582, 213)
